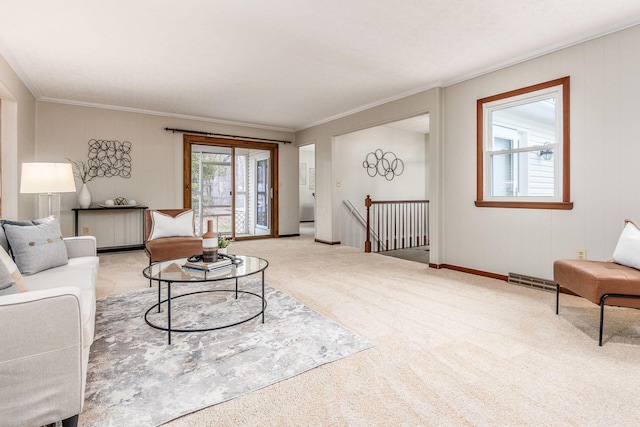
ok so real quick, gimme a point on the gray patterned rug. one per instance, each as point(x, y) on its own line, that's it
point(135, 378)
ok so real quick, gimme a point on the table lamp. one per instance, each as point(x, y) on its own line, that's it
point(47, 180)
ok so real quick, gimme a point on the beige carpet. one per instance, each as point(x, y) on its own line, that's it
point(451, 349)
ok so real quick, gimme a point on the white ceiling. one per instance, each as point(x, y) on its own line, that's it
point(282, 64)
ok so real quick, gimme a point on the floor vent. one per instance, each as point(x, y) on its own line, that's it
point(532, 282)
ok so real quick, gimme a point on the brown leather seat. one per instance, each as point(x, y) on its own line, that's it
point(594, 279)
point(167, 248)
point(598, 281)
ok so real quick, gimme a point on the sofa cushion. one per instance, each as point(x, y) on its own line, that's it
point(36, 247)
point(11, 280)
point(163, 225)
point(81, 277)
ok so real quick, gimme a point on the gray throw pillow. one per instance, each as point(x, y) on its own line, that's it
point(36, 247)
point(3, 238)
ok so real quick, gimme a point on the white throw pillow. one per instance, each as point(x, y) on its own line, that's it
point(627, 250)
point(163, 225)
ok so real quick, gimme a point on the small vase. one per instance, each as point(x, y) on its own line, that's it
point(222, 251)
point(209, 244)
point(84, 197)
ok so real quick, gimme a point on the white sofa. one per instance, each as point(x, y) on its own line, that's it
point(45, 337)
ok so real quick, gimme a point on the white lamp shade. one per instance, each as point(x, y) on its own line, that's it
point(47, 178)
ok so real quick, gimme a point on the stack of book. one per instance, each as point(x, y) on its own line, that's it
point(208, 266)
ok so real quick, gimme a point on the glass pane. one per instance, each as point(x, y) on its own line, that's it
point(262, 185)
point(534, 123)
point(541, 173)
point(211, 187)
point(527, 174)
point(502, 175)
point(242, 225)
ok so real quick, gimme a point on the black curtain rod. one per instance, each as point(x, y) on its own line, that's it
point(246, 138)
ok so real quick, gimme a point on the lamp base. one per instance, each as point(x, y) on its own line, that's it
point(49, 204)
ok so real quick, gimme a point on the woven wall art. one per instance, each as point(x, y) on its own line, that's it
point(109, 158)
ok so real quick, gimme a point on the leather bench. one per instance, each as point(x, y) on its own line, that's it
point(601, 282)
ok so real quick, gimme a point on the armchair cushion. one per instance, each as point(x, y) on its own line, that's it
point(163, 225)
point(173, 247)
point(36, 247)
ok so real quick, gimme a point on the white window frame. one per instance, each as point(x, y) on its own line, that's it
point(488, 130)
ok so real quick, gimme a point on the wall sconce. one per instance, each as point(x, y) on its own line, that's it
point(47, 180)
point(545, 154)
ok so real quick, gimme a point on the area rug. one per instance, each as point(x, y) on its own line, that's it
point(136, 378)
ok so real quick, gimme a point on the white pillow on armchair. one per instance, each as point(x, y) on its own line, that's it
point(163, 225)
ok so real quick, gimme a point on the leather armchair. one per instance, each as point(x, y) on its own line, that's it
point(167, 248)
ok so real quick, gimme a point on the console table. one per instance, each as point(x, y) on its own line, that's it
point(114, 210)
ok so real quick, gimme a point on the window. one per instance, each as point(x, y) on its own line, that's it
point(523, 148)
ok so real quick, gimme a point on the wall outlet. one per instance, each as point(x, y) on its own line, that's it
point(581, 254)
point(85, 231)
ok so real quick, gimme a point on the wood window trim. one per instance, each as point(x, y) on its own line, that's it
point(566, 203)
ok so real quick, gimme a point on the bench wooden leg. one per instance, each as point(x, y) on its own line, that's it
point(557, 297)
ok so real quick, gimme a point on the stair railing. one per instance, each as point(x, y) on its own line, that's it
point(358, 216)
point(396, 224)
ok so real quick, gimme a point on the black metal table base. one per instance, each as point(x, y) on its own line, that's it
point(169, 298)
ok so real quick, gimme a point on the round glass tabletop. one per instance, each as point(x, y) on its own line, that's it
point(175, 270)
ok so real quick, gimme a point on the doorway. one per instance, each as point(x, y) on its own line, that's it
point(307, 188)
point(230, 182)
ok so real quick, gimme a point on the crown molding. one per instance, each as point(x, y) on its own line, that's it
point(373, 104)
point(17, 69)
point(163, 114)
point(602, 32)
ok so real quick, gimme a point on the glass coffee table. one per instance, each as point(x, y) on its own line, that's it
point(172, 271)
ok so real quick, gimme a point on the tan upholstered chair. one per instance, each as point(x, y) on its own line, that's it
point(167, 248)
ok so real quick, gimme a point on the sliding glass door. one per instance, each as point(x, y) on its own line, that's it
point(230, 182)
point(212, 188)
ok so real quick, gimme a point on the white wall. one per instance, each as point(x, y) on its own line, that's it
point(17, 137)
point(306, 193)
point(605, 90)
point(157, 157)
point(349, 152)
point(429, 101)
